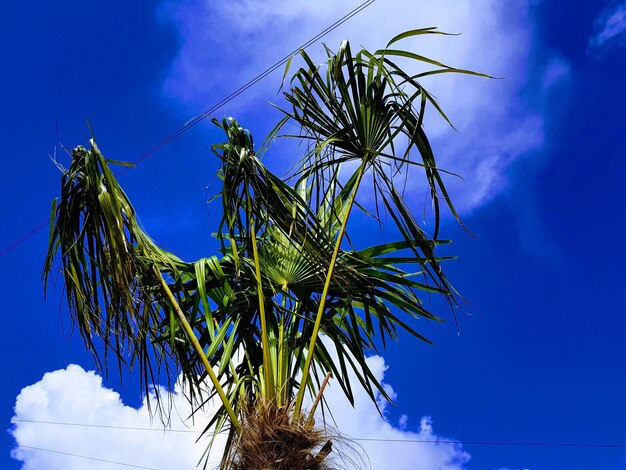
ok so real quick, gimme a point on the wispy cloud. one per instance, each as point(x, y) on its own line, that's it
point(224, 44)
point(556, 70)
point(73, 395)
point(609, 29)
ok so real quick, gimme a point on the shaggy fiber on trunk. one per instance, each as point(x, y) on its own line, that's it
point(273, 439)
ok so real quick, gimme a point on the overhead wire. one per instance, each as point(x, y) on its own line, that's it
point(104, 426)
point(349, 437)
point(87, 457)
point(24, 237)
point(200, 117)
point(495, 443)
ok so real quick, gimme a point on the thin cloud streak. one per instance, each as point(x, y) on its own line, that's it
point(609, 29)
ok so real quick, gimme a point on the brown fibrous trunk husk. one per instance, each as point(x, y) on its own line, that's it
point(272, 438)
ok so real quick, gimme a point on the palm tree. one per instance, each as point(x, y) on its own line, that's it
point(249, 321)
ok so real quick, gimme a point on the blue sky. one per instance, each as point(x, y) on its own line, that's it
point(538, 358)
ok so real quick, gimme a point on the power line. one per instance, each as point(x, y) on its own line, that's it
point(25, 237)
point(104, 426)
point(70, 454)
point(361, 439)
point(200, 117)
point(494, 443)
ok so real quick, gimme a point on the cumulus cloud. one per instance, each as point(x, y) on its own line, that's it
point(609, 28)
point(225, 44)
point(73, 395)
point(364, 422)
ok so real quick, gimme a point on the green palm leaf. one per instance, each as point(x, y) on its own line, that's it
point(288, 270)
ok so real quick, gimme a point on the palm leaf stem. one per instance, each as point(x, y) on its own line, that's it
point(324, 296)
point(318, 398)
point(198, 348)
point(267, 360)
point(282, 361)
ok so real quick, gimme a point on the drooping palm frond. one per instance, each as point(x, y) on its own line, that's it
point(119, 285)
point(106, 259)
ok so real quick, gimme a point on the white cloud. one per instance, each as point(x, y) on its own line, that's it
point(609, 28)
point(225, 44)
point(363, 421)
point(73, 395)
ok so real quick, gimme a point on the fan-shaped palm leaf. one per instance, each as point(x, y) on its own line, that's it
point(356, 110)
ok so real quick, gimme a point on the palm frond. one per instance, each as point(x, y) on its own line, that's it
point(120, 286)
